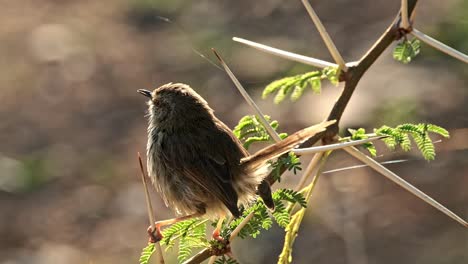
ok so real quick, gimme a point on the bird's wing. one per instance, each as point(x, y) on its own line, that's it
point(205, 165)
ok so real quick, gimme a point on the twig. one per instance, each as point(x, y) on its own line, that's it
point(312, 150)
point(149, 208)
point(286, 54)
point(249, 100)
point(200, 256)
point(352, 78)
point(326, 38)
point(440, 46)
point(296, 220)
point(396, 179)
point(404, 14)
point(212, 259)
point(310, 168)
point(236, 231)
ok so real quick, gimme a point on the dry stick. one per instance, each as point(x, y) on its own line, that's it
point(404, 14)
point(286, 54)
point(310, 168)
point(326, 38)
point(312, 150)
point(249, 100)
point(199, 257)
point(212, 259)
point(149, 208)
point(440, 46)
point(396, 179)
point(352, 78)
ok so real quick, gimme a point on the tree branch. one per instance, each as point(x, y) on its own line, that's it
point(351, 79)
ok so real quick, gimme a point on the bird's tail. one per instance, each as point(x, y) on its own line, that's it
point(256, 165)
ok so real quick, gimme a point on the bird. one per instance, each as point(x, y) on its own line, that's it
point(198, 165)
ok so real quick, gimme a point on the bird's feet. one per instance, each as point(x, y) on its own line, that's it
point(217, 235)
point(155, 234)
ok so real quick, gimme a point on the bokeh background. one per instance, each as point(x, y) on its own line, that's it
point(71, 123)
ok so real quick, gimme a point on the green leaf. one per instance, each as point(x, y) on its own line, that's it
point(290, 196)
point(225, 260)
point(438, 130)
point(293, 86)
point(332, 74)
point(291, 162)
point(260, 220)
point(400, 136)
point(193, 238)
point(407, 50)
point(250, 130)
point(361, 134)
point(177, 229)
point(146, 253)
point(280, 214)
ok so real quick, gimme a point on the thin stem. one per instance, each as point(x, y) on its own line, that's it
point(325, 36)
point(200, 256)
point(407, 186)
point(286, 54)
point(440, 46)
point(309, 170)
point(296, 220)
point(249, 99)
point(236, 231)
point(312, 150)
point(212, 259)
point(404, 14)
point(149, 208)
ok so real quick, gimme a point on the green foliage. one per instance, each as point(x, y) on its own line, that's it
point(250, 130)
point(281, 214)
point(291, 233)
point(146, 253)
point(294, 86)
point(332, 74)
point(260, 220)
point(400, 136)
point(193, 238)
point(192, 234)
point(407, 50)
point(361, 134)
point(290, 196)
point(291, 162)
point(225, 260)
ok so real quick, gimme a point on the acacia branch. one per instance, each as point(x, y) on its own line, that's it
point(352, 78)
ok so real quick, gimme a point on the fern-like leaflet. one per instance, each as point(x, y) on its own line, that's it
point(146, 253)
point(294, 86)
point(250, 130)
point(225, 260)
point(407, 50)
point(400, 136)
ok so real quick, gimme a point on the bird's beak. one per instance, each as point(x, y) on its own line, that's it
point(145, 93)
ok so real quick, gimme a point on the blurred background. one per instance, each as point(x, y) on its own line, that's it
point(71, 123)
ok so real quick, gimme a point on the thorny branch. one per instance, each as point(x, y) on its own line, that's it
point(351, 78)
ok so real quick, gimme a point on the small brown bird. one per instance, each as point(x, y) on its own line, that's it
point(197, 163)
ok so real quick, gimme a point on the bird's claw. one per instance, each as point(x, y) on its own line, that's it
point(154, 235)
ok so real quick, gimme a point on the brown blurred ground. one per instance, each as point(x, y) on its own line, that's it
point(72, 122)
